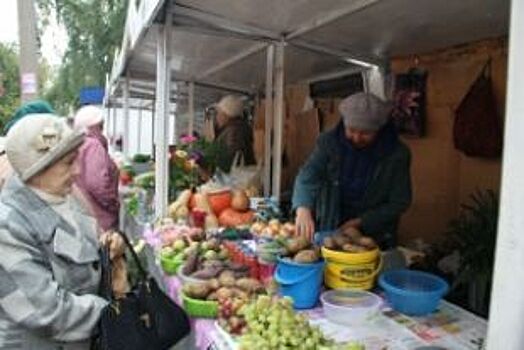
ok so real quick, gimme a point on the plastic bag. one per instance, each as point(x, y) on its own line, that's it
point(245, 177)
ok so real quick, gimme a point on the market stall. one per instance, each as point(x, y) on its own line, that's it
point(212, 48)
point(219, 273)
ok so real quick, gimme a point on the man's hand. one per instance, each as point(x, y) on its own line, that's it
point(305, 225)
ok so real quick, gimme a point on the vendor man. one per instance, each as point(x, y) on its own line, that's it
point(357, 176)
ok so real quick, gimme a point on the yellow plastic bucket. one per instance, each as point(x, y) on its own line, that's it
point(351, 270)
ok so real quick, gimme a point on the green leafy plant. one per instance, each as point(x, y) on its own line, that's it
point(141, 158)
point(192, 162)
point(474, 234)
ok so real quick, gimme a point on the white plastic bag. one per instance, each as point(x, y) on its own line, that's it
point(245, 177)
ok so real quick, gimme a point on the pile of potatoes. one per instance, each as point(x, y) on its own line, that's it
point(300, 250)
point(225, 287)
point(351, 241)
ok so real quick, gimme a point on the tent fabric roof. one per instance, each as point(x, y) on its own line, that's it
point(221, 43)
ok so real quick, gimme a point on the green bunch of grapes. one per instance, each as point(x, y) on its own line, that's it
point(272, 324)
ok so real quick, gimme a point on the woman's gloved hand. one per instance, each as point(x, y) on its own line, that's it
point(305, 225)
point(115, 242)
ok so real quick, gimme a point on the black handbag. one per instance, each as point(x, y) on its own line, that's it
point(145, 319)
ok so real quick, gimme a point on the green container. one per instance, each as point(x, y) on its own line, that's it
point(170, 265)
point(200, 308)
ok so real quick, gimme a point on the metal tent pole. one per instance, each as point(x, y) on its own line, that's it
point(125, 137)
point(191, 108)
point(114, 124)
point(153, 118)
point(278, 119)
point(268, 119)
point(507, 299)
point(140, 119)
point(163, 80)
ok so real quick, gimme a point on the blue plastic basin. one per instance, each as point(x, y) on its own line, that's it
point(413, 292)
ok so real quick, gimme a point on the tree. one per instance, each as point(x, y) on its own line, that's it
point(9, 82)
point(95, 29)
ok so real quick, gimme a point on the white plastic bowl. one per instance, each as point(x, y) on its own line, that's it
point(350, 307)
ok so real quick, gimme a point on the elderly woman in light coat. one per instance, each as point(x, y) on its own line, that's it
point(49, 261)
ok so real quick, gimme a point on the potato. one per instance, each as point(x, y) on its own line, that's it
point(367, 242)
point(352, 248)
point(214, 284)
point(227, 278)
point(352, 233)
point(197, 290)
point(290, 227)
point(340, 240)
point(249, 285)
point(257, 227)
point(329, 243)
point(224, 293)
point(212, 297)
point(274, 222)
point(306, 256)
point(297, 244)
point(240, 294)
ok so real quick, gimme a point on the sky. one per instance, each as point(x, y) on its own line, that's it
point(54, 39)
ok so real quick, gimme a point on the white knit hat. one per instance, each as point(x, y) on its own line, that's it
point(38, 141)
point(364, 111)
point(231, 105)
point(87, 117)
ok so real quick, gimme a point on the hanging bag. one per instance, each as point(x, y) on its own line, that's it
point(145, 319)
point(477, 131)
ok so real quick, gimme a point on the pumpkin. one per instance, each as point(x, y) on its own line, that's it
point(219, 200)
point(232, 218)
point(240, 200)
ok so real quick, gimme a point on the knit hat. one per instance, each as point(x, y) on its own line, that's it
point(38, 141)
point(364, 111)
point(87, 117)
point(33, 107)
point(231, 105)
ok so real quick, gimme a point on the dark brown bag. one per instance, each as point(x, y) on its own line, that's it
point(477, 131)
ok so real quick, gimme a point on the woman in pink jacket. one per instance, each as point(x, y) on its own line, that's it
point(98, 177)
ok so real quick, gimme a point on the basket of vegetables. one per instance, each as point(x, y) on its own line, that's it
point(202, 299)
point(200, 308)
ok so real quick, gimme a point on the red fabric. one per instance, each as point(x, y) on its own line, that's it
point(98, 179)
point(477, 130)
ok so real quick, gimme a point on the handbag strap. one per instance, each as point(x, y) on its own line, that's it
point(106, 287)
point(106, 290)
point(141, 270)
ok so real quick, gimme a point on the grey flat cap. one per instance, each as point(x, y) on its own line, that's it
point(364, 111)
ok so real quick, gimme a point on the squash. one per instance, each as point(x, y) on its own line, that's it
point(219, 200)
point(240, 200)
point(211, 222)
point(232, 218)
point(200, 201)
point(179, 208)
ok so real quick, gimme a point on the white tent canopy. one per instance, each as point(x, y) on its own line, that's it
point(220, 46)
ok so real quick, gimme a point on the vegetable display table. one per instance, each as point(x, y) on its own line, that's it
point(450, 328)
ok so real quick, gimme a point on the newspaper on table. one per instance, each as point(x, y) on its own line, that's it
point(450, 327)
